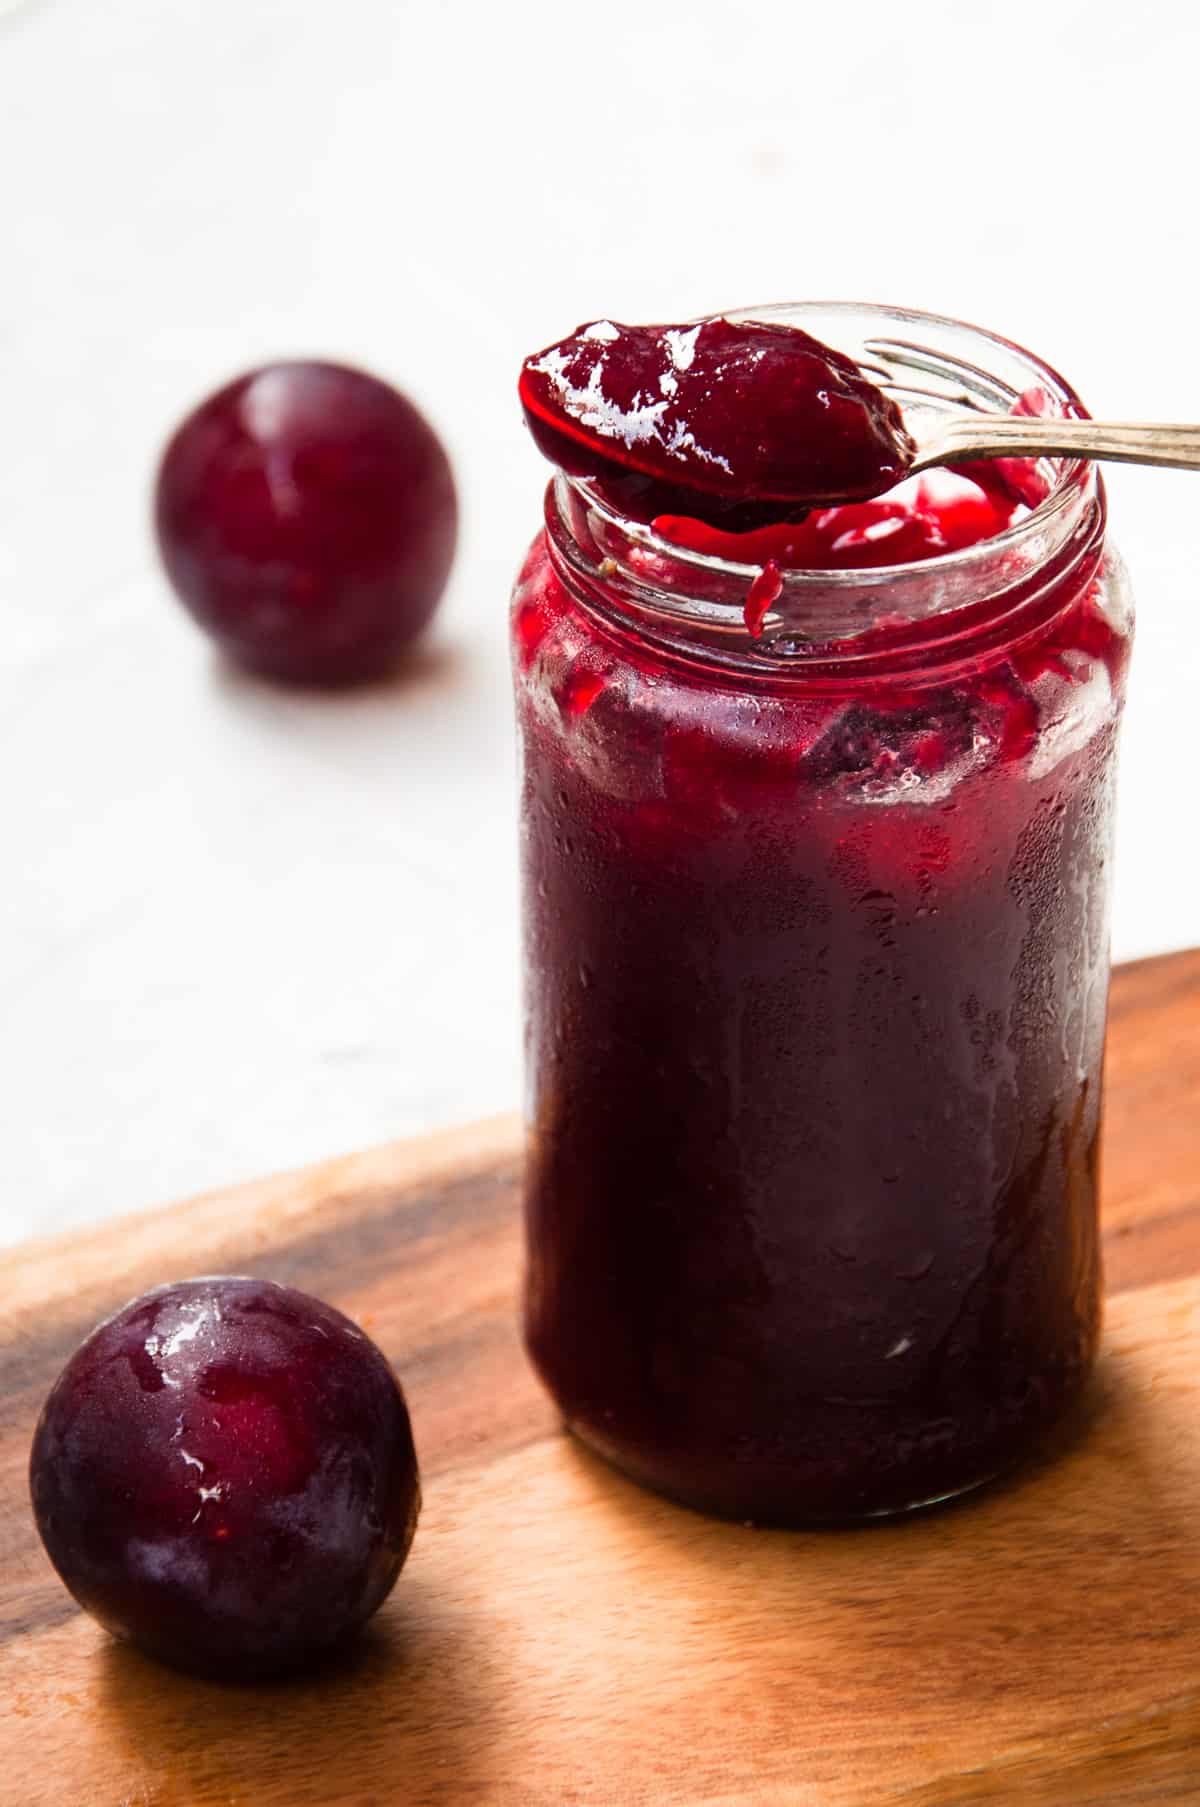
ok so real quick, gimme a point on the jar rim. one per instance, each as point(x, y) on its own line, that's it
point(1071, 473)
point(959, 366)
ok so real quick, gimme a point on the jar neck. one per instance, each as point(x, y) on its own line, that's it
point(920, 622)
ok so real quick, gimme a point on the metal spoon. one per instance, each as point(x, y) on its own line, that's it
point(943, 411)
point(1009, 436)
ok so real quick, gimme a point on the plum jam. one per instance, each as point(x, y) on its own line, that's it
point(816, 970)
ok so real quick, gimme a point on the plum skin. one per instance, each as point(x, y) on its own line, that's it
point(224, 1474)
point(307, 517)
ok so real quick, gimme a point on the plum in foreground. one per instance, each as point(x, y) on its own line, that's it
point(224, 1474)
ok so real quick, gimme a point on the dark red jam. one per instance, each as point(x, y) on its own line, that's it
point(817, 959)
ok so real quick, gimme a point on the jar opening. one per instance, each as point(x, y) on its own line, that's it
point(928, 609)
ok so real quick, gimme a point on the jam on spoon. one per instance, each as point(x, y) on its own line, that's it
point(734, 422)
point(754, 442)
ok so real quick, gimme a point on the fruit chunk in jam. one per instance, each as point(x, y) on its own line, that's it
point(816, 998)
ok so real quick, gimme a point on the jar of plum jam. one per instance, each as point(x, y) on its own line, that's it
point(817, 947)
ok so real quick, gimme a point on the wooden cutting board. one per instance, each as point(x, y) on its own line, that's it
point(560, 1637)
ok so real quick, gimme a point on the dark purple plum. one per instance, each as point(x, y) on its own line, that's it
point(306, 515)
point(224, 1474)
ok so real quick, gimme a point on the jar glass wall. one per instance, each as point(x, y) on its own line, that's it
point(816, 973)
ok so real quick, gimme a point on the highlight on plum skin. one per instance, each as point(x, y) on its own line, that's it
point(307, 518)
point(224, 1474)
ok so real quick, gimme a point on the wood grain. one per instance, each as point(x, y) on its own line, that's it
point(559, 1636)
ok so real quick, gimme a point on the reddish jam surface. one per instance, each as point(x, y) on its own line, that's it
point(816, 1000)
point(732, 421)
point(919, 519)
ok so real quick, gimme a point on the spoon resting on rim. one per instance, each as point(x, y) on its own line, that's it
point(967, 431)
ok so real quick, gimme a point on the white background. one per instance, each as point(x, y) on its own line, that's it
point(242, 928)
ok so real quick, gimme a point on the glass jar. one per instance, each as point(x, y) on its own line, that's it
point(817, 948)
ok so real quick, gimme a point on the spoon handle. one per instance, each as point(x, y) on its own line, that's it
point(1122, 442)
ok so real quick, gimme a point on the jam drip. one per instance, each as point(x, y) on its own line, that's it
point(920, 519)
